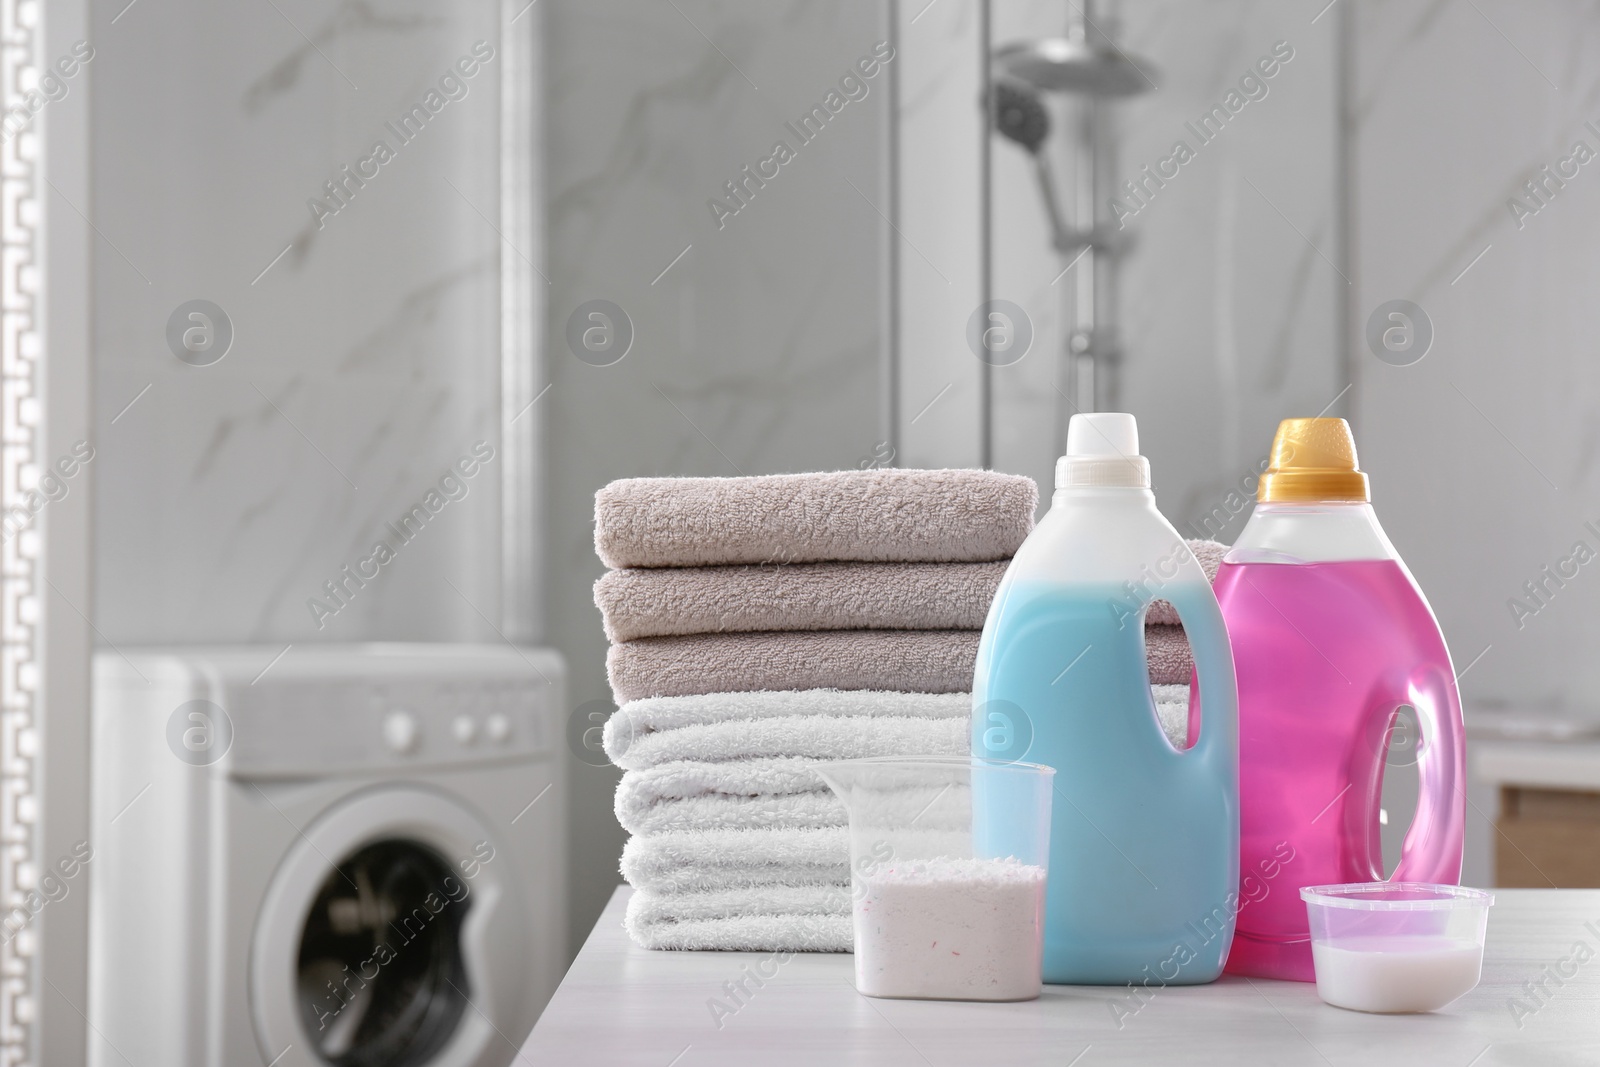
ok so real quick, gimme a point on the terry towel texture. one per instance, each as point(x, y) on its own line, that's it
point(928, 661)
point(818, 724)
point(755, 919)
point(747, 760)
point(695, 861)
point(640, 811)
point(890, 515)
point(1210, 554)
point(1167, 653)
point(761, 626)
point(664, 601)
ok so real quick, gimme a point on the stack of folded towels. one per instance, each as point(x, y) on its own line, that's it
point(761, 626)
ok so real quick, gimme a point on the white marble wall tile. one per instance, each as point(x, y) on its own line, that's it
point(1030, 400)
point(364, 361)
point(940, 129)
point(1483, 454)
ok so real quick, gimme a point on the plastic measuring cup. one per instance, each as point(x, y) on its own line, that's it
point(940, 913)
point(1396, 946)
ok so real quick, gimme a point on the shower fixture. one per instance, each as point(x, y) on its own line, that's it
point(1073, 65)
point(1087, 67)
point(1020, 117)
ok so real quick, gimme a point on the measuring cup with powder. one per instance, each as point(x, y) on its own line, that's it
point(939, 912)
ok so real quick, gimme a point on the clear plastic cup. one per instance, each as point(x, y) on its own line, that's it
point(942, 913)
point(1396, 946)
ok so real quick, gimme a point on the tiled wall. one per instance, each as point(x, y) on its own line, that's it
point(938, 235)
point(1484, 451)
point(364, 360)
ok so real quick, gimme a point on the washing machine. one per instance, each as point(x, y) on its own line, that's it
point(324, 855)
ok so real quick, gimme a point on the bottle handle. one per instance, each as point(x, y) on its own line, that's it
point(1432, 848)
point(1213, 666)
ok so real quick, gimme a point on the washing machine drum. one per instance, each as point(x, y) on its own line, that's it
point(387, 959)
point(380, 972)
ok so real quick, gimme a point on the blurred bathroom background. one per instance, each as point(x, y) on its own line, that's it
point(813, 309)
point(825, 325)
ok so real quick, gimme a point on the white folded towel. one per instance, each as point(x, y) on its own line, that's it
point(747, 760)
point(817, 737)
point(640, 813)
point(703, 860)
point(817, 723)
point(1172, 708)
point(743, 848)
point(813, 723)
point(712, 796)
point(756, 919)
point(765, 776)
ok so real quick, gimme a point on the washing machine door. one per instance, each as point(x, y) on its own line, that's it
point(390, 937)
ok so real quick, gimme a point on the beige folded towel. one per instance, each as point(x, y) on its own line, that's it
point(661, 601)
point(916, 661)
point(913, 661)
point(886, 515)
point(1167, 653)
point(1210, 554)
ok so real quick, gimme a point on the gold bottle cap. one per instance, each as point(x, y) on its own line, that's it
point(1313, 459)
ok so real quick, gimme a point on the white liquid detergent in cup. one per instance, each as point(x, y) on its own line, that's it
point(939, 914)
point(1396, 946)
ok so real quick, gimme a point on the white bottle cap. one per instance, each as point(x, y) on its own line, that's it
point(1103, 449)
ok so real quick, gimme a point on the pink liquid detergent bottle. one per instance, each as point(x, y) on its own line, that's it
point(1331, 637)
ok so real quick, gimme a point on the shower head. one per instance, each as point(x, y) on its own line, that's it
point(1019, 115)
point(1069, 65)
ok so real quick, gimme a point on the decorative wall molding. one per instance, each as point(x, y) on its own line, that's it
point(45, 594)
point(21, 445)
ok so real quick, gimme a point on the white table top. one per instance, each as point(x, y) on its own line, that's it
point(622, 1005)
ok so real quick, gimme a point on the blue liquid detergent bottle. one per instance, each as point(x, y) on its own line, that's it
point(1144, 838)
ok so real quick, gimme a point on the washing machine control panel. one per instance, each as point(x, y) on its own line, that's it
point(400, 731)
point(471, 722)
point(328, 724)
